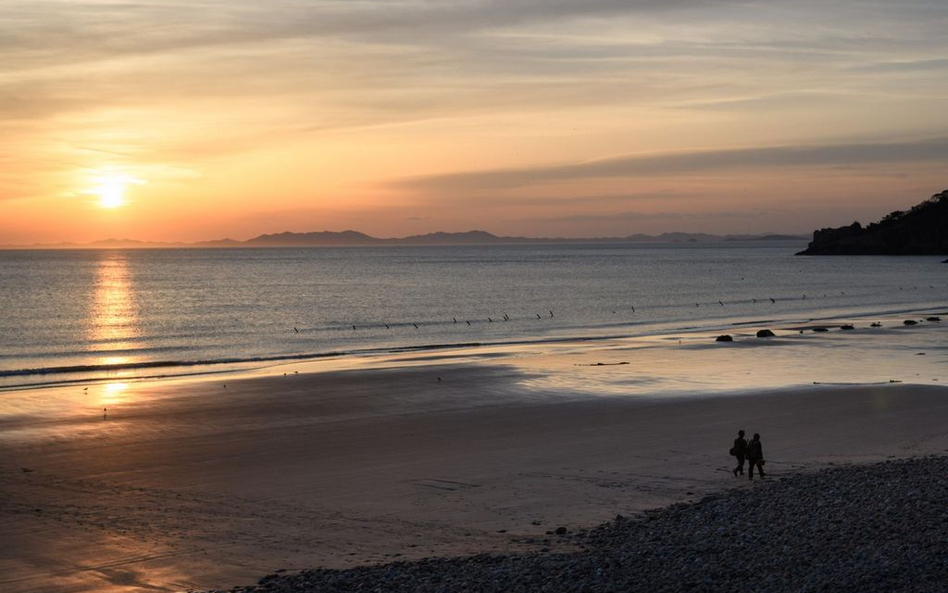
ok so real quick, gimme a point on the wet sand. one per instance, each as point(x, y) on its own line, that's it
point(216, 482)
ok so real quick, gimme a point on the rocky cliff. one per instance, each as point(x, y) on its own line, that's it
point(922, 230)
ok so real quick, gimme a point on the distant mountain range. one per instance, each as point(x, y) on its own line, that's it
point(922, 230)
point(355, 238)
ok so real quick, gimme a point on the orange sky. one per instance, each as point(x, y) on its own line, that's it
point(229, 118)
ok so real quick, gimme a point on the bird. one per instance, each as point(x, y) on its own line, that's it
point(469, 323)
point(772, 300)
point(416, 325)
point(755, 300)
point(296, 330)
point(697, 305)
point(353, 327)
point(455, 319)
point(551, 313)
point(720, 303)
point(633, 308)
point(490, 320)
point(387, 327)
point(538, 316)
point(804, 296)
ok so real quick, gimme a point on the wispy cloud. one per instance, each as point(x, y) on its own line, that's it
point(642, 216)
point(918, 151)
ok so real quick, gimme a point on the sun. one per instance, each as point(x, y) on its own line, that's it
point(110, 189)
point(111, 194)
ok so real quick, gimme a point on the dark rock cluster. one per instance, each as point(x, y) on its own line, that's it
point(872, 528)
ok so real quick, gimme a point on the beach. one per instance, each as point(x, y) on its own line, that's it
point(215, 481)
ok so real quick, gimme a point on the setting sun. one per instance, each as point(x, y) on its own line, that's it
point(111, 195)
point(111, 189)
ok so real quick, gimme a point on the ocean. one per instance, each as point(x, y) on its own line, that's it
point(72, 315)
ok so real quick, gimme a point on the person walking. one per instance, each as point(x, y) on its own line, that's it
point(739, 450)
point(755, 457)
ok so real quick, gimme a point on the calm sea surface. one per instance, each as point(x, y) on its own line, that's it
point(69, 315)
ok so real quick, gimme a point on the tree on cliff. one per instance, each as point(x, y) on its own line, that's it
point(922, 230)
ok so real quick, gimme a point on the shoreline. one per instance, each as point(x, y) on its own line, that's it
point(207, 482)
point(250, 366)
point(203, 487)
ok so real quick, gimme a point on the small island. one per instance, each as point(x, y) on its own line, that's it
point(918, 231)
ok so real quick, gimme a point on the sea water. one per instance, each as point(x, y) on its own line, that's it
point(78, 314)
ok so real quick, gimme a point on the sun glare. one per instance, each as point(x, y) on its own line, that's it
point(111, 195)
point(111, 189)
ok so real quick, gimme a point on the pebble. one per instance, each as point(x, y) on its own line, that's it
point(869, 528)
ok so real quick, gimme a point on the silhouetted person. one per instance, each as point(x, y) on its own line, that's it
point(755, 457)
point(739, 451)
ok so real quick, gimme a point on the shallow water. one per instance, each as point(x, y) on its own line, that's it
point(117, 313)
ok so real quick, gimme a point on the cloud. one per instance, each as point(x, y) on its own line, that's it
point(934, 65)
point(765, 157)
point(636, 216)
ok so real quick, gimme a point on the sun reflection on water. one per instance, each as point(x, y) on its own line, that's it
point(113, 323)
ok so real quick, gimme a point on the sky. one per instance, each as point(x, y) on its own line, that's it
point(185, 120)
